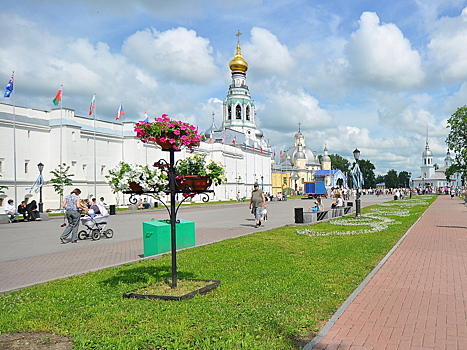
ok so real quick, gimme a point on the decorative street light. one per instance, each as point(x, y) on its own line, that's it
point(40, 166)
point(410, 184)
point(356, 155)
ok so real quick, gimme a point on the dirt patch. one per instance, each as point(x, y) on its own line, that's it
point(35, 341)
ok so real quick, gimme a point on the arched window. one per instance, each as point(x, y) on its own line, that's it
point(247, 112)
point(238, 112)
point(229, 112)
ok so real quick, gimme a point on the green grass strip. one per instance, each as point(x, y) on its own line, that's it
point(278, 289)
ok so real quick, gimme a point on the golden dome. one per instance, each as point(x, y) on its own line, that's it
point(238, 63)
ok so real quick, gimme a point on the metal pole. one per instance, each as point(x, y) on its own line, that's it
point(358, 205)
point(41, 205)
point(173, 217)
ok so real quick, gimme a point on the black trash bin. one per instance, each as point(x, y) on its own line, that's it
point(112, 209)
point(350, 204)
point(299, 215)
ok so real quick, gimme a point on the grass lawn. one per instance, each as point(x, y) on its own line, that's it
point(277, 290)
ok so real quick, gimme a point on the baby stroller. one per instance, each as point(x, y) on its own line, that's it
point(95, 225)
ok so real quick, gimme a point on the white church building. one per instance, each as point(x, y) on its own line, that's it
point(91, 147)
point(431, 177)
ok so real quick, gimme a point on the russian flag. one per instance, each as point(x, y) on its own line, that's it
point(120, 112)
point(9, 87)
point(93, 105)
point(146, 118)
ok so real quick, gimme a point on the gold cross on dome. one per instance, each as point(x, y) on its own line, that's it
point(238, 35)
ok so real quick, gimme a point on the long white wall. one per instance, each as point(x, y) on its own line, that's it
point(91, 148)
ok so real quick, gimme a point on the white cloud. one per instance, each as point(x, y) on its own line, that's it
point(448, 47)
point(381, 57)
point(285, 108)
point(266, 55)
point(177, 54)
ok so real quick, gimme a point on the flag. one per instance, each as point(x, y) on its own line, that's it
point(280, 155)
point(223, 138)
point(254, 147)
point(261, 150)
point(274, 153)
point(146, 118)
point(234, 141)
point(244, 145)
point(58, 97)
point(9, 87)
point(210, 137)
point(93, 105)
point(120, 112)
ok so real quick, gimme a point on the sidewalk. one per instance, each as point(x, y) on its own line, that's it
point(417, 298)
point(31, 253)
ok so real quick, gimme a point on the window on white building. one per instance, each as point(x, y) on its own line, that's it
point(85, 166)
point(102, 169)
point(26, 166)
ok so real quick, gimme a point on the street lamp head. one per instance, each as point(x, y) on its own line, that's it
point(410, 174)
point(40, 166)
point(356, 154)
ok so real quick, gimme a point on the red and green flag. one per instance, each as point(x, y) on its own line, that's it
point(58, 97)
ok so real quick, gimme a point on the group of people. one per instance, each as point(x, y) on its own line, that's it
point(74, 205)
point(339, 203)
point(28, 210)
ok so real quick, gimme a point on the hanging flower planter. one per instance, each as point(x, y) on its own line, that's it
point(135, 187)
point(164, 140)
point(168, 133)
point(137, 178)
point(194, 182)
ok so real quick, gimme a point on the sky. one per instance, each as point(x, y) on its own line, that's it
point(379, 76)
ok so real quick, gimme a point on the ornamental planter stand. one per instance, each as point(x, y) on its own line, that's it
point(173, 190)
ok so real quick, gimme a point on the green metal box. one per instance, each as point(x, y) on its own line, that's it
point(157, 236)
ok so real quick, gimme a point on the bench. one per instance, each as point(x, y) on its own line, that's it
point(312, 217)
point(4, 219)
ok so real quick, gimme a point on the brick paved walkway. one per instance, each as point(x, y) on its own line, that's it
point(418, 298)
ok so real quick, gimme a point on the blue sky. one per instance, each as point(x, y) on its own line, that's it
point(375, 75)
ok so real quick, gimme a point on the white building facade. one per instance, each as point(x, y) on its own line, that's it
point(91, 147)
point(435, 178)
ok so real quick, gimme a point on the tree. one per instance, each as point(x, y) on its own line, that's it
point(2, 188)
point(367, 168)
point(61, 179)
point(339, 162)
point(391, 179)
point(457, 141)
point(404, 179)
point(380, 179)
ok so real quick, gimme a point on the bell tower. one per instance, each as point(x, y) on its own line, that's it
point(427, 167)
point(238, 107)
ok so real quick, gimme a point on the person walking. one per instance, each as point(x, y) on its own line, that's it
point(73, 204)
point(257, 203)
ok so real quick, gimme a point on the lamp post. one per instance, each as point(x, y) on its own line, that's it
point(356, 155)
point(40, 166)
point(295, 177)
point(410, 184)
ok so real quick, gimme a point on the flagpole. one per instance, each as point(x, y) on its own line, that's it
point(246, 170)
point(123, 137)
point(14, 143)
point(95, 153)
point(61, 141)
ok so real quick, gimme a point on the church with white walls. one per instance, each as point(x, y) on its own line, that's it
point(433, 177)
point(91, 147)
